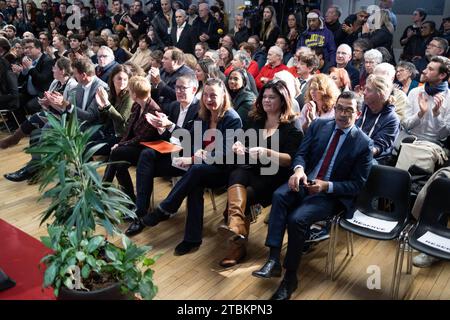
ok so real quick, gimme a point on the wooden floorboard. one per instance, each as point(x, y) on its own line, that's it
point(198, 275)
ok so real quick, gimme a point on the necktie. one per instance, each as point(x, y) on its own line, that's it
point(329, 155)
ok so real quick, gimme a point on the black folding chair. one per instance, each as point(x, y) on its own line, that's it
point(387, 188)
point(433, 220)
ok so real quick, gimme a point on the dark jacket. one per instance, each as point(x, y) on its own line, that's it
point(352, 165)
point(161, 25)
point(209, 27)
point(9, 92)
point(41, 75)
point(260, 57)
point(173, 112)
point(230, 120)
point(353, 73)
point(380, 38)
point(104, 73)
point(385, 129)
point(241, 36)
point(139, 130)
point(185, 42)
point(165, 92)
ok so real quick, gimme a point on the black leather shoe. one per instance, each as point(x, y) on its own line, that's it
point(285, 290)
point(186, 247)
point(20, 175)
point(128, 219)
point(135, 227)
point(270, 269)
point(152, 219)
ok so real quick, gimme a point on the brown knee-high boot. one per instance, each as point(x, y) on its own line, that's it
point(12, 139)
point(237, 200)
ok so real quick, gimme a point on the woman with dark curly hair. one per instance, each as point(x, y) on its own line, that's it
point(272, 119)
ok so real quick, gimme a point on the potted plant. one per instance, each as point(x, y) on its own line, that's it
point(84, 265)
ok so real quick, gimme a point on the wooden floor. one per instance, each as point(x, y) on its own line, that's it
point(198, 275)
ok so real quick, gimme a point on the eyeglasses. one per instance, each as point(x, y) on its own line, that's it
point(341, 109)
point(102, 56)
point(433, 46)
point(181, 88)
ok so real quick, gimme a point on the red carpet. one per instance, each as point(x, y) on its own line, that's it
point(19, 258)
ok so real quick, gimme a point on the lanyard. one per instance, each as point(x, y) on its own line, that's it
point(373, 127)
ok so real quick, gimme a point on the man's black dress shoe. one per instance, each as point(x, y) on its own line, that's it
point(155, 217)
point(135, 227)
point(186, 247)
point(270, 269)
point(20, 175)
point(285, 290)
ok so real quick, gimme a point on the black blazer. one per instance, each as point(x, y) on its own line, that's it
point(173, 112)
point(185, 42)
point(41, 75)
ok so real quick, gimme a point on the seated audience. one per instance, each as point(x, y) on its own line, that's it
point(378, 118)
point(138, 130)
point(247, 185)
point(320, 99)
point(205, 169)
point(182, 114)
point(318, 189)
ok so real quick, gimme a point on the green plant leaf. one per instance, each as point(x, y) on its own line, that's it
point(47, 242)
point(91, 261)
point(95, 243)
point(111, 254)
point(73, 238)
point(85, 271)
point(50, 274)
point(81, 256)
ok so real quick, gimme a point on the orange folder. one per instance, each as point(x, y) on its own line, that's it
point(162, 146)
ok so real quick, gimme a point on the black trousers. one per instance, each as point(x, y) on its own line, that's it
point(130, 156)
point(151, 164)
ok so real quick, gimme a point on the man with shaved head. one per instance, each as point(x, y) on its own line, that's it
point(343, 57)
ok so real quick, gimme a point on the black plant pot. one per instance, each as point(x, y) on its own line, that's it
point(109, 293)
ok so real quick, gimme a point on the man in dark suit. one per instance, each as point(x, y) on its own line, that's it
point(181, 33)
point(181, 114)
point(330, 169)
point(163, 85)
point(83, 99)
point(35, 73)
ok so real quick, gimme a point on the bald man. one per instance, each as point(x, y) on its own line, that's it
point(343, 57)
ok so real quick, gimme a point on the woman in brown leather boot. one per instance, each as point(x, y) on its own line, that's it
point(277, 141)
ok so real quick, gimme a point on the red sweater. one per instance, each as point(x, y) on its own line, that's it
point(252, 69)
point(268, 72)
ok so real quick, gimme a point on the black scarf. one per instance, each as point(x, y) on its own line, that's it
point(434, 90)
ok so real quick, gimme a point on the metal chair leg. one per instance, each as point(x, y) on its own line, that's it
point(351, 245)
point(409, 258)
point(15, 119)
point(347, 234)
point(4, 121)
point(333, 261)
point(213, 200)
point(395, 271)
point(399, 274)
point(330, 246)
